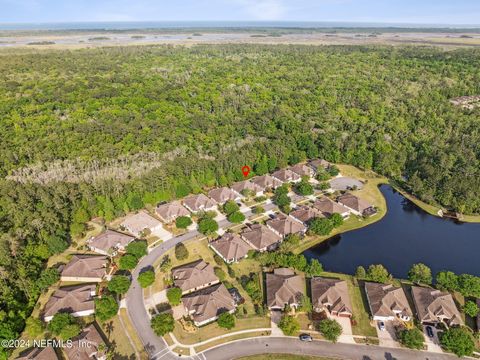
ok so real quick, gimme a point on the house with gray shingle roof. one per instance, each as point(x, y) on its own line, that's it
point(284, 287)
point(387, 302)
point(434, 306)
point(208, 304)
point(319, 164)
point(171, 211)
point(284, 225)
point(199, 202)
point(194, 276)
point(304, 214)
point(329, 207)
point(85, 268)
point(260, 237)
point(77, 300)
point(223, 194)
point(356, 205)
point(142, 224)
point(242, 186)
point(331, 295)
point(302, 170)
point(109, 242)
point(230, 247)
point(88, 345)
point(287, 175)
point(267, 182)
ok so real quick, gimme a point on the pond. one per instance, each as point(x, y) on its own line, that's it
point(405, 236)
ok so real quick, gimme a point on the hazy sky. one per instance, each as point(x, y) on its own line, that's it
point(401, 11)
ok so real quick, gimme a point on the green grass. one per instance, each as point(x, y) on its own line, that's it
point(213, 330)
point(231, 338)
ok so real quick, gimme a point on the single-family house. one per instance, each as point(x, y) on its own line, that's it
point(284, 287)
point(39, 353)
point(329, 207)
point(284, 225)
point(85, 268)
point(247, 185)
point(331, 295)
point(434, 306)
point(260, 237)
point(223, 194)
point(199, 202)
point(304, 214)
point(319, 164)
point(206, 305)
point(171, 211)
point(194, 276)
point(76, 300)
point(109, 242)
point(302, 170)
point(387, 302)
point(266, 182)
point(88, 345)
point(143, 224)
point(287, 175)
point(230, 247)
point(356, 205)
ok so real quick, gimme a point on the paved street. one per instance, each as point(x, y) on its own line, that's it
point(316, 348)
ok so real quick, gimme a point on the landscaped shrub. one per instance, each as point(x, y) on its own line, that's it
point(181, 251)
point(330, 329)
point(174, 296)
point(183, 222)
point(146, 278)
point(226, 321)
point(162, 324)
point(289, 325)
point(106, 307)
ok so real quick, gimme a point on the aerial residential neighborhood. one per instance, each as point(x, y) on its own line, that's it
point(198, 291)
point(239, 180)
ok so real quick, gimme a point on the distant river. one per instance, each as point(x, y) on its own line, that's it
point(406, 235)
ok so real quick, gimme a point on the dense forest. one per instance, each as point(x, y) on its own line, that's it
point(98, 132)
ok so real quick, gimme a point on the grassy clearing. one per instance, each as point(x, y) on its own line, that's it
point(115, 333)
point(128, 328)
point(231, 338)
point(213, 330)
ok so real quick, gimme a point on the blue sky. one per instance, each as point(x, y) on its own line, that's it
point(396, 11)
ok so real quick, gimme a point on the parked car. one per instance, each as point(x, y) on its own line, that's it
point(381, 325)
point(429, 331)
point(305, 337)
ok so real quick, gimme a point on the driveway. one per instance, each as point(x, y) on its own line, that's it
point(433, 343)
point(275, 317)
point(346, 336)
point(387, 337)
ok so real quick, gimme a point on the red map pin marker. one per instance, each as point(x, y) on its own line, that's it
point(246, 170)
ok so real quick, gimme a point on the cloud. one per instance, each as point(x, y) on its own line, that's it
point(264, 9)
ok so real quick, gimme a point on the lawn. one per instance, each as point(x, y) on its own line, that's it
point(213, 330)
point(231, 338)
point(115, 333)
